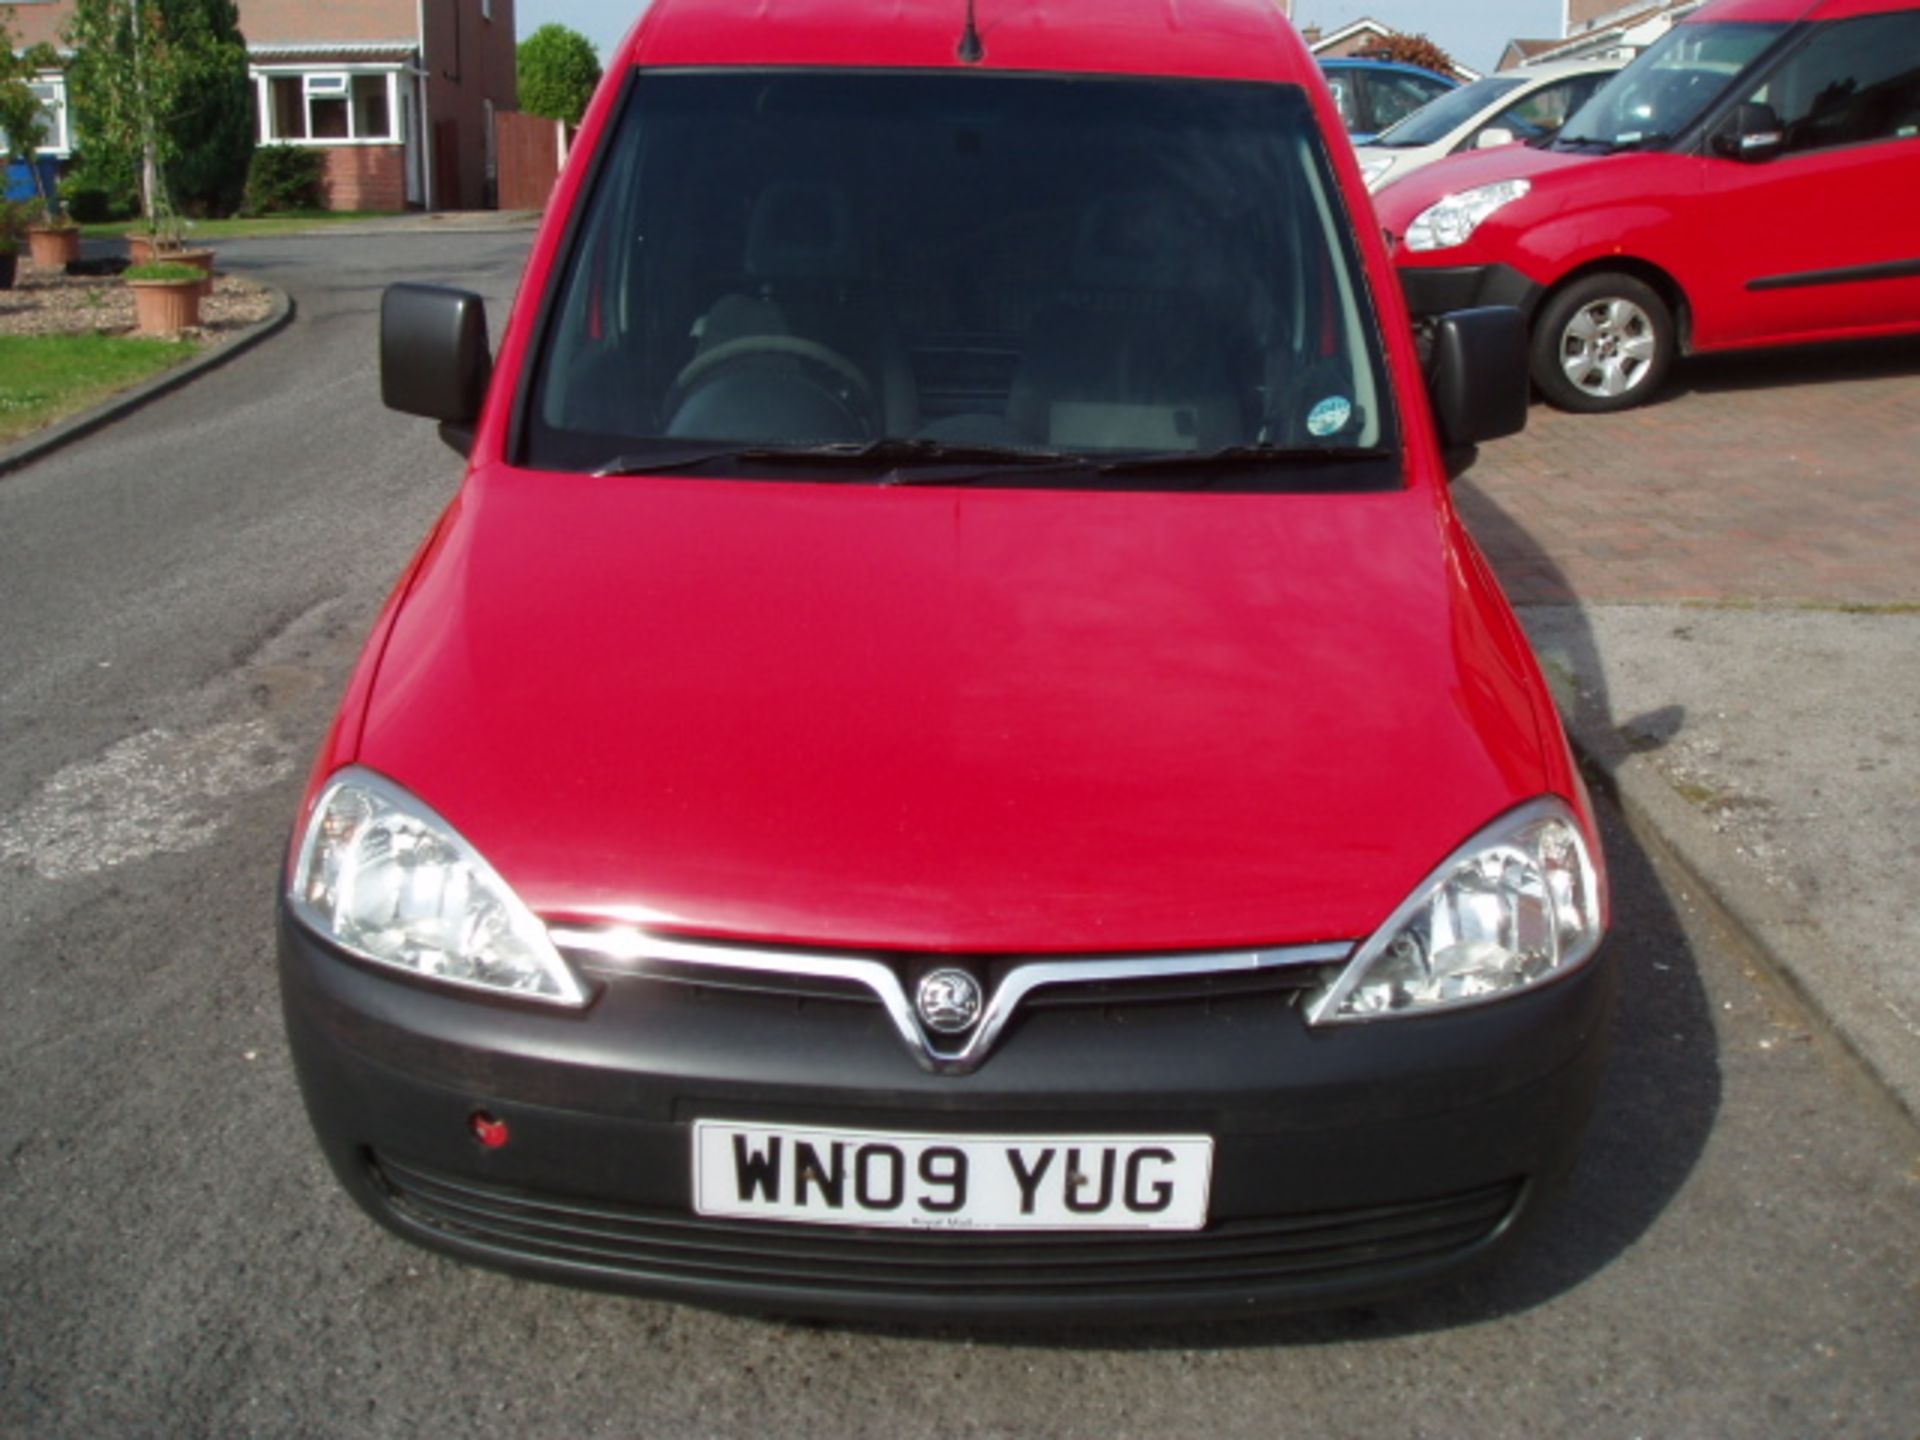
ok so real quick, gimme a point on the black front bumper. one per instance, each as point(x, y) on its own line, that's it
point(1349, 1161)
point(1440, 289)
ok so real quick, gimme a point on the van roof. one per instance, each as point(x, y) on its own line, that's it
point(1789, 10)
point(1223, 39)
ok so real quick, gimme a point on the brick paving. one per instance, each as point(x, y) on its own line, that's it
point(1786, 477)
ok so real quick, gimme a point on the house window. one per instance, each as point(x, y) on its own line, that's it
point(287, 110)
point(372, 119)
point(329, 107)
point(51, 92)
point(327, 117)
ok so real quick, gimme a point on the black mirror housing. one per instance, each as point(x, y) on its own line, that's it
point(434, 357)
point(1753, 132)
point(1477, 375)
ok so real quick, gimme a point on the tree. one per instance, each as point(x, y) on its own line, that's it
point(161, 82)
point(1412, 50)
point(558, 72)
point(22, 121)
point(213, 131)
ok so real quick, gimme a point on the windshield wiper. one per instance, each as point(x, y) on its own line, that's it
point(1594, 144)
point(933, 462)
point(1210, 467)
point(860, 454)
point(1225, 468)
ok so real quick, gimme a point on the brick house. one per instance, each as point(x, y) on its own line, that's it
point(399, 94)
point(1602, 27)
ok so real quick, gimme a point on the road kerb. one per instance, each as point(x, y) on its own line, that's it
point(75, 427)
point(1780, 932)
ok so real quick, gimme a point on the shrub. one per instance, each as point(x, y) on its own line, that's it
point(1411, 50)
point(286, 177)
point(101, 185)
point(13, 224)
point(213, 135)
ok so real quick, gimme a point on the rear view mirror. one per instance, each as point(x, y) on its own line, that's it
point(1493, 137)
point(1753, 132)
point(1477, 376)
point(434, 357)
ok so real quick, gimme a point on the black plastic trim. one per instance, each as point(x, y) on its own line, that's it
point(1847, 275)
point(1433, 290)
point(601, 1106)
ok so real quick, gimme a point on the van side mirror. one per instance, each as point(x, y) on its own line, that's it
point(434, 357)
point(1752, 133)
point(1493, 137)
point(1477, 377)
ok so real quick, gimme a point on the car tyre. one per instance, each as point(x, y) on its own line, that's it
point(1603, 343)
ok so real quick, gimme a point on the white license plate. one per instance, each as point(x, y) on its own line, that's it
point(951, 1182)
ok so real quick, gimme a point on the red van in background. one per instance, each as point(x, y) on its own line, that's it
point(1752, 179)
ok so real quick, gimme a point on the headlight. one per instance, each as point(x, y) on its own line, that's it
point(1517, 905)
point(1453, 220)
point(1375, 170)
point(386, 879)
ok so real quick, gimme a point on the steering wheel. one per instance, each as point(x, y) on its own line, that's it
point(827, 368)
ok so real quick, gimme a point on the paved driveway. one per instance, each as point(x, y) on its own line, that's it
point(1789, 476)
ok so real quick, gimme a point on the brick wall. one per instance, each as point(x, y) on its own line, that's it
point(366, 177)
point(470, 59)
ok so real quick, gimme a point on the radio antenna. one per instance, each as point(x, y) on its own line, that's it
point(971, 51)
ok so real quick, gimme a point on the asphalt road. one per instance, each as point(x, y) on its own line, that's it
point(180, 599)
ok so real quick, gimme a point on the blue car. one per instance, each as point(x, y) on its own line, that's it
point(1373, 94)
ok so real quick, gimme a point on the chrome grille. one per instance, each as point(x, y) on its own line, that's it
point(1010, 982)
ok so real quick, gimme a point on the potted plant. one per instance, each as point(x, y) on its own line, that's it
point(12, 226)
point(163, 237)
point(55, 240)
point(166, 296)
point(157, 236)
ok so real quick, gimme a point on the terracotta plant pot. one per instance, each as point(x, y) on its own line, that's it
point(53, 246)
point(200, 260)
point(144, 248)
point(165, 307)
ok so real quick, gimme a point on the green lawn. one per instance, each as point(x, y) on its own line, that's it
point(44, 378)
point(284, 223)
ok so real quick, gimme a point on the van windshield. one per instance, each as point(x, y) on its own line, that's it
point(990, 278)
point(1671, 85)
point(1437, 119)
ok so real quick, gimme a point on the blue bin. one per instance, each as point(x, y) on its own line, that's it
point(20, 184)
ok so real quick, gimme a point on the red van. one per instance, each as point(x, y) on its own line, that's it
point(951, 758)
point(1752, 179)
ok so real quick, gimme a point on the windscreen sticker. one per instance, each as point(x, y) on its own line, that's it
point(1329, 417)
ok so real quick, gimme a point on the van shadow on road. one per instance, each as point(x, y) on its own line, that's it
point(1843, 362)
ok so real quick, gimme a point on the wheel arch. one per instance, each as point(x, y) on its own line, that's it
point(1645, 271)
